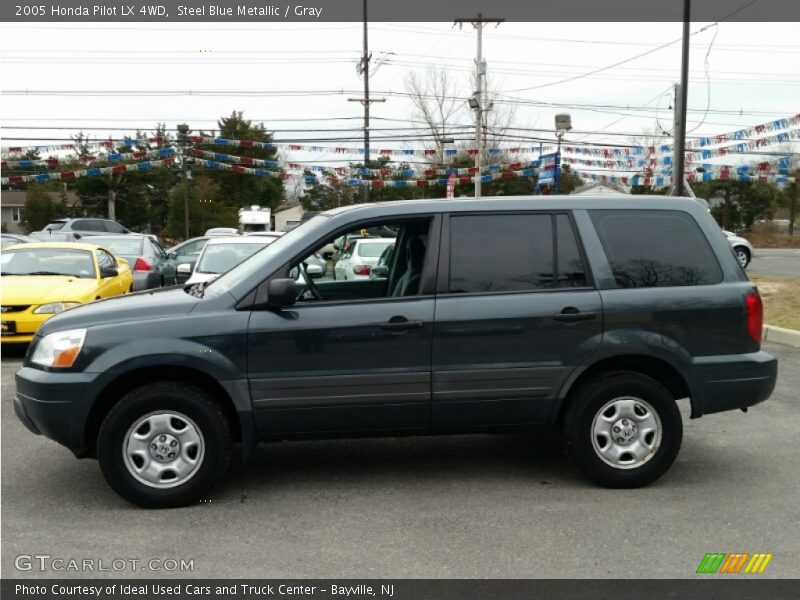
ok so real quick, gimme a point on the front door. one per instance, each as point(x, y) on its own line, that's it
point(350, 356)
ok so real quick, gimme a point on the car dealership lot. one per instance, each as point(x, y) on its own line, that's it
point(460, 506)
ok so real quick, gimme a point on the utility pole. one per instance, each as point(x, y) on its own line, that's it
point(480, 97)
point(681, 97)
point(363, 68)
point(112, 198)
point(183, 139)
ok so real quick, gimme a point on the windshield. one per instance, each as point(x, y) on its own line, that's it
point(48, 261)
point(121, 246)
point(219, 258)
point(248, 268)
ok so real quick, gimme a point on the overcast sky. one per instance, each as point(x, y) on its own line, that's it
point(745, 73)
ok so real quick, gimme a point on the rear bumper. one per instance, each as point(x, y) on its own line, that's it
point(734, 381)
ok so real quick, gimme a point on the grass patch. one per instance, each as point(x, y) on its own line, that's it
point(763, 239)
point(781, 299)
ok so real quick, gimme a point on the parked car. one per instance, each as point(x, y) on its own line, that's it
point(221, 254)
point(360, 256)
point(214, 231)
point(12, 239)
point(741, 247)
point(42, 279)
point(594, 316)
point(152, 267)
point(70, 230)
point(186, 254)
point(342, 244)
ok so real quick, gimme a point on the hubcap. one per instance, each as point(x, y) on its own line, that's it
point(742, 256)
point(163, 449)
point(626, 432)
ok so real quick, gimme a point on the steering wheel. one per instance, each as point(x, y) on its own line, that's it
point(312, 287)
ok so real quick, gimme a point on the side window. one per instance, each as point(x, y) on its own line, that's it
point(113, 227)
point(88, 225)
point(570, 271)
point(192, 248)
point(105, 260)
point(655, 248)
point(349, 274)
point(501, 253)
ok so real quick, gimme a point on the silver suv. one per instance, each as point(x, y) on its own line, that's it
point(70, 230)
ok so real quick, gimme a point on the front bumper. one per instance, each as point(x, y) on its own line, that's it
point(25, 325)
point(55, 405)
point(734, 381)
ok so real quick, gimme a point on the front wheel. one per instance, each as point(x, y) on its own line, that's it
point(164, 445)
point(623, 430)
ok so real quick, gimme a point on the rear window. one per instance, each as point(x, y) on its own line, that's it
point(371, 249)
point(655, 248)
point(121, 247)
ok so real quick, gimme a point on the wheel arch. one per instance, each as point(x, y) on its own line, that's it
point(241, 425)
point(656, 368)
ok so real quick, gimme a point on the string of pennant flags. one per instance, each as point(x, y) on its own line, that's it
point(111, 157)
point(91, 172)
point(760, 173)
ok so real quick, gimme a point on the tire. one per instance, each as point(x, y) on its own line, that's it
point(742, 255)
point(136, 439)
point(636, 408)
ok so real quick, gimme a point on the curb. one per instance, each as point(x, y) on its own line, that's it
point(780, 335)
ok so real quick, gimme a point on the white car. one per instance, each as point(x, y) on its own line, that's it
point(741, 247)
point(361, 255)
point(221, 254)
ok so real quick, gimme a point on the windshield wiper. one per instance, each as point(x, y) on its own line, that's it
point(49, 273)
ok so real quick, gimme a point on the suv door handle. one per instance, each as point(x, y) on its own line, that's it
point(572, 314)
point(401, 325)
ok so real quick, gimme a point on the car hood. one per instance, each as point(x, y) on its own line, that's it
point(41, 289)
point(150, 305)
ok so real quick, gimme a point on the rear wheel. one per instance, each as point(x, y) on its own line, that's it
point(623, 430)
point(742, 255)
point(163, 445)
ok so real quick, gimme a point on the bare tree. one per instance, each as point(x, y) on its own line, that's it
point(436, 99)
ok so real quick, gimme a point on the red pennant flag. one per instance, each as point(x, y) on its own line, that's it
point(119, 169)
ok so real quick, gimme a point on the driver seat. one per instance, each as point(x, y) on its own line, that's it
point(408, 283)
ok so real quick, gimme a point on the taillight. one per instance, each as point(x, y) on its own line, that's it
point(755, 315)
point(142, 265)
point(361, 269)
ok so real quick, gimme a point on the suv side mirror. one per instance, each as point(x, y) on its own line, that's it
point(172, 255)
point(381, 271)
point(281, 292)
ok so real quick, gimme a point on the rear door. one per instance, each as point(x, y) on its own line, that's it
point(516, 312)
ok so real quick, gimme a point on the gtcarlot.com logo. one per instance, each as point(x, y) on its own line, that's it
point(46, 562)
point(734, 563)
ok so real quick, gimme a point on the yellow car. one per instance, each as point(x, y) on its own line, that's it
point(42, 279)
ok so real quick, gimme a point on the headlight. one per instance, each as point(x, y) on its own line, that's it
point(59, 349)
point(55, 307)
